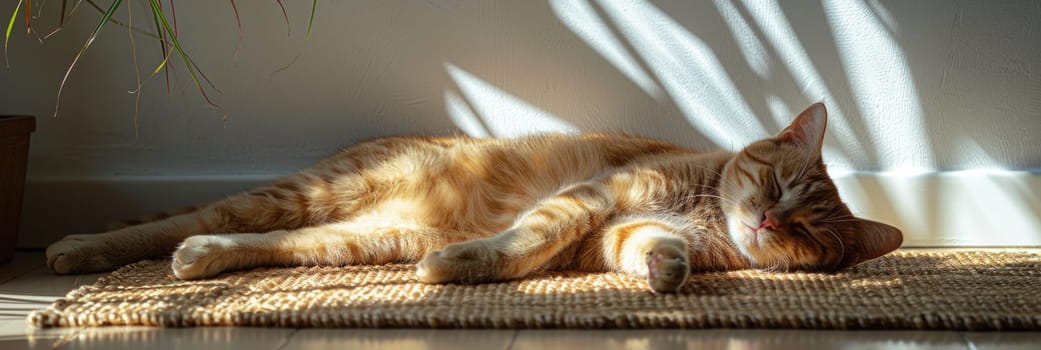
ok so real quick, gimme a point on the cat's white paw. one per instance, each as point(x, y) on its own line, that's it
point(81, 254)
point(201, 257)
point(667, 267)
point(468, 262)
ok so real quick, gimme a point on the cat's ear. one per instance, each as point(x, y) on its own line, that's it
point(871, 239)
point(807, 130)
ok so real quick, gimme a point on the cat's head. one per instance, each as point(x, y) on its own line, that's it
point(783, 210)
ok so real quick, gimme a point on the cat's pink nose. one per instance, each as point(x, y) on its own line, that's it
point(769, 221)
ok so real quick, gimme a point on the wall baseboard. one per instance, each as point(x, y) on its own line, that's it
point(960, 208)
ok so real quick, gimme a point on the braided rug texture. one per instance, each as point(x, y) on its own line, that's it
point(908, 289)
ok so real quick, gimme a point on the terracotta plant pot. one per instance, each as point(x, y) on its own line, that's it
point(14, 154)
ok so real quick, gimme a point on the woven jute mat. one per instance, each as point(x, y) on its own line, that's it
point(908, 289)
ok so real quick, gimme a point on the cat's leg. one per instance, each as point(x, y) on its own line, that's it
point(337, 244)
point(648, 248)
point(534, 240)
point(281, 205)
point(81, 253)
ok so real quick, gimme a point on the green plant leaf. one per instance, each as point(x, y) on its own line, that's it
point(173, 14)
point(61, 18)
point(137, 69)
point(117, 22)
point(160, 67)
point(162, 46)
point(314, 6)
point(90, 40)
point(188, 63)
point(7, 34)
point(289, 29)
point(238, 20)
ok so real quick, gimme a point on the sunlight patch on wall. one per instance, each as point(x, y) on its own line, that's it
point(751, 48)
point(781, 36)
point(582, 19)
point(948, 208)
point(463, 117)
point(689, 71)
point(782, 114)
point(884, 15)
point(882, 85)
point(969, 151)
point(1003, 210)
point(779, 110)
point(502, 113)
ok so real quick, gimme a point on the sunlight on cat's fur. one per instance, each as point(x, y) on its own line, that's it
point(482, 210)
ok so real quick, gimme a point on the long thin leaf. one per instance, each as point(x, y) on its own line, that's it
point(285, 15)
point(137, 69)
point(7, 33)
point(90, 40)
point(118, 23)
point(75, 7)
point(161, 67)
point(162, 46)
point(187, 61)
point(173, 13)
point(28, 16)
point(314, 6)
point(61, 21)
point(238, 20)
point(307, 37)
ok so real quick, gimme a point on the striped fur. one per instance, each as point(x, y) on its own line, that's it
point(480, 210)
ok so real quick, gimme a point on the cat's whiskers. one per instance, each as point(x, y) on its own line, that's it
point(727, 200)
point(842, 246)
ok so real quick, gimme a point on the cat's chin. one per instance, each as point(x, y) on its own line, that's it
point(745, 240)
point(750, 244)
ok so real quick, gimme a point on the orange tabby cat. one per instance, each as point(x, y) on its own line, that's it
point(481, 210)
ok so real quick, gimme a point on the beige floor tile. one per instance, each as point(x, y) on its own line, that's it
point(26, 285)
point(15, 334)
point(399, 339)
point(735, 339)
point(1004, 340)
point(33, 290)
point(20, 264)
point(40, 282)
point(117, 338)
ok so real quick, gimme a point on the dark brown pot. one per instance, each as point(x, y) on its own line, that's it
point(14, 154)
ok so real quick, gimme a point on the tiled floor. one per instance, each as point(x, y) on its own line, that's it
point(26, 284)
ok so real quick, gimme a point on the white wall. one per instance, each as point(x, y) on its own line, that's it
point(914, 87)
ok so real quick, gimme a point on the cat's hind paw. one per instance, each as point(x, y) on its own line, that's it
point(200, 257)
point(469, 262)
point(81, 254)
point(667, 268)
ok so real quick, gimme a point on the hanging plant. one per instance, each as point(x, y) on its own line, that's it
point(166, 33)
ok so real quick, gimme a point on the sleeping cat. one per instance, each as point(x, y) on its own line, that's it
point(482, 210)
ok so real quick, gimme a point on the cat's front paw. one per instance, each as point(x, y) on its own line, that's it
point(81, 254)
point(469, 262)
point(201, 257)
point(667, 267)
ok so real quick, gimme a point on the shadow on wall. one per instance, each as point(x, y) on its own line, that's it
point(876, 119)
